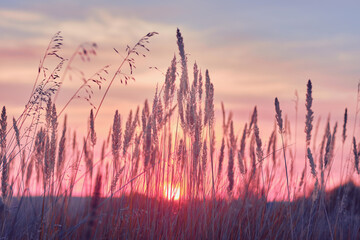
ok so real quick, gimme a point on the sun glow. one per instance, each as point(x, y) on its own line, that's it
point(172, 192)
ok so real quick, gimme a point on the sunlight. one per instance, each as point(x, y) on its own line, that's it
point(172, 192)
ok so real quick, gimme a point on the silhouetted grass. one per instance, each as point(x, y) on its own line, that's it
point(160, 174)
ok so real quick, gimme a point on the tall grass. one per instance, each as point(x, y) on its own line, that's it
point(162, 173)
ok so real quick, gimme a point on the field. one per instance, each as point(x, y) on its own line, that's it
point(164, 171)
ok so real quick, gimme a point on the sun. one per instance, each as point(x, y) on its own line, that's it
point(172, 192)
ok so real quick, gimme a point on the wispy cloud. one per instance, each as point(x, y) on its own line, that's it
point(251, 58)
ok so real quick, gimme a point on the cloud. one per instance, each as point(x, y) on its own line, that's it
point(19, 16)
point(250, 62)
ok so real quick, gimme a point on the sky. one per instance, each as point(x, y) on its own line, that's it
point(255, 51)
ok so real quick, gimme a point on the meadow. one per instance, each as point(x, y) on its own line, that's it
point(164, 172)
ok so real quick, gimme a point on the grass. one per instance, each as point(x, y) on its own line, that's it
point(160, 173)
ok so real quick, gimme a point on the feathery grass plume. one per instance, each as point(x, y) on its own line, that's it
point(344, 126)
point(230, 171)
point(356, 156)
point(62, 150)
point(154, 118)
point(43, 91)
point(11, 160)
point(154, 155)
point(308, 126)
point(74, 141)
point(184, 79)
point(224, 117)
point(180, 105)
point(92, 128)
point(181, 154)
point(252, 155)
point(316, 133)
point(129, 132)
point(3, 125)
point(314, 174)
point(259, 150)
point(200, 114)
point(196, 76)
point(326, 137)
point(253, 119)
point(232, 150)
point(278, 116)
point(102, 155)
point(147, 143)
point(95, 200)
point(327, 157)
point(184, 160)
point(309, 113)
point(343, 142)
point(232, 139)
point(200, 86)
point(145, 116)
point(189, 119)
point(271, 139)
point(241, 164)
point(116, 139)
point(170, 78)
point(312, 163)
point(136, 120)
point(170, 152)
point(191, 107)
point(281, 131)
point(4, 177)
point(52, 50)
point(221, 158)
point(212, 144)
point(204, 160)
point(209, 101)
point(54, 125)
point(332, 146)
point(48, 115)
point(17, 133)
point(229, 119)
point(88, 158)
point(116, 136)
point(241, 153)
point(159, 114)
point(196, 148)
point(274, 149)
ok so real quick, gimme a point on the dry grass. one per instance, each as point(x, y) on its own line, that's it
point(157, 176)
